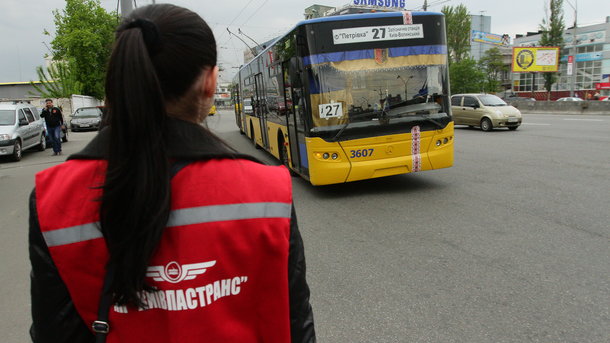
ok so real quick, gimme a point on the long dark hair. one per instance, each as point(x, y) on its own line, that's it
point(159, 53)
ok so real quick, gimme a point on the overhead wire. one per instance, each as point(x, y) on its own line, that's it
point(237, 16)
point(256, 11)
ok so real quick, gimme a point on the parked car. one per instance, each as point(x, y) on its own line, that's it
point(86, 118)
point(570, 98)
point(484, 110)
point(20, 128)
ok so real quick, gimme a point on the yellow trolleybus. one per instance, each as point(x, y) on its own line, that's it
point(351, 97)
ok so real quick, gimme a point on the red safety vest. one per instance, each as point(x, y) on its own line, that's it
point(221, 266)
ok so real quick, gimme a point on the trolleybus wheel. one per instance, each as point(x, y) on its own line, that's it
point(284, 158)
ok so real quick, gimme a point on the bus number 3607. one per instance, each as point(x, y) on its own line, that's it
point(361, 153)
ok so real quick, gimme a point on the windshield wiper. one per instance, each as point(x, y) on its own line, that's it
point(351, 117)
point(437, 123)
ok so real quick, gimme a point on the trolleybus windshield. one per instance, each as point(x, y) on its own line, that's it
point(358, 78)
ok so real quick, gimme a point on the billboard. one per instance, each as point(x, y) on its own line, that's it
point(381, 3)
point(535, 59)
point(489, 38)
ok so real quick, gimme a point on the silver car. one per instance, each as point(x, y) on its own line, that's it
point(20, 128)
point(86, 118)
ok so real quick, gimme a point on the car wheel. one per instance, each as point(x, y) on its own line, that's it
point(17, 151)
point(513, 128)
point(43, 143)
point(486, 125)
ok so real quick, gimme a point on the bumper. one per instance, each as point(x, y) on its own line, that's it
point(7, 147)
point(373, 157)
point(506, 122)
point(84, 127)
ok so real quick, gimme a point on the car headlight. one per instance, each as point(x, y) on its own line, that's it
point(5, 137)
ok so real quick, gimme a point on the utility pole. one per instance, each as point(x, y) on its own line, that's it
point(126, 7)
point(425, 5)
point(574, 51)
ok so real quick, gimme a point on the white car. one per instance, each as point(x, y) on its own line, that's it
point(570, 98)
point(20, 128)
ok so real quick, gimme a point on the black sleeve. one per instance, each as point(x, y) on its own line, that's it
point(61, 115)
point(54, 317)
point(301, 314)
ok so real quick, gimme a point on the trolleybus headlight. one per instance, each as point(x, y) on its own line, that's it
point(334, 156)
point(446, 140)
point(325, 156)
point(438, 142)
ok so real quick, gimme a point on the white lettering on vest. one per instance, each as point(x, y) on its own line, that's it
point(191, 302)
point(190, 298)
point(235, 289)
point(170, 296)
point(200, 291)
point(217, 293)
point(226, 287)
point(180, 300)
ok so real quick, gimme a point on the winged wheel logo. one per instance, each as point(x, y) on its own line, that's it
point(173, 272)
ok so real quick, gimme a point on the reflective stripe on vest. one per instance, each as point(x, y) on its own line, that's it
point(181, 217)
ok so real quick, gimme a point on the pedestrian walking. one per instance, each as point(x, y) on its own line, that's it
point(158, 231)
point(54, 120)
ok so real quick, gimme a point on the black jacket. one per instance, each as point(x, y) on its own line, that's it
point(55, 318)
point(53, 116)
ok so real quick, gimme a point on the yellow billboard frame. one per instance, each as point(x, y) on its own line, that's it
point(535, 59)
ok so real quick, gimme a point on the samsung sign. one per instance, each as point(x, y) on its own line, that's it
point(382, 3)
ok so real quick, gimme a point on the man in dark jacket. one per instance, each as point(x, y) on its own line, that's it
point(54, 120)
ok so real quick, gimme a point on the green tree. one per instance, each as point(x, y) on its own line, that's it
point(457, 21)
point(466, 77)
point(60, 82)
point(552, 35)
point(83, 38)
point(492, 63)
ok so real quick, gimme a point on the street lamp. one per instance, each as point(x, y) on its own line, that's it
point(405, 82)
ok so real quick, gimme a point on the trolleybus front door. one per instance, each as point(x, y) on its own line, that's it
point(260, 107)
point(293, 115)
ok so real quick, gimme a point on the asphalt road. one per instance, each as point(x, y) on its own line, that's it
point(512, 244)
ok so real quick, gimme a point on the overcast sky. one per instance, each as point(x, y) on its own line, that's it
point(22, 43)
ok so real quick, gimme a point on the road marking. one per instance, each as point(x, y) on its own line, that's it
point(582, 119)
point(541, 124)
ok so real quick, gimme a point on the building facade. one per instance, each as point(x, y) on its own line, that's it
point(588, 48)
point(480, 23)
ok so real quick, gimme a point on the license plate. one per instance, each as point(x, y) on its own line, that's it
point(87, 125)
point(513, 120)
